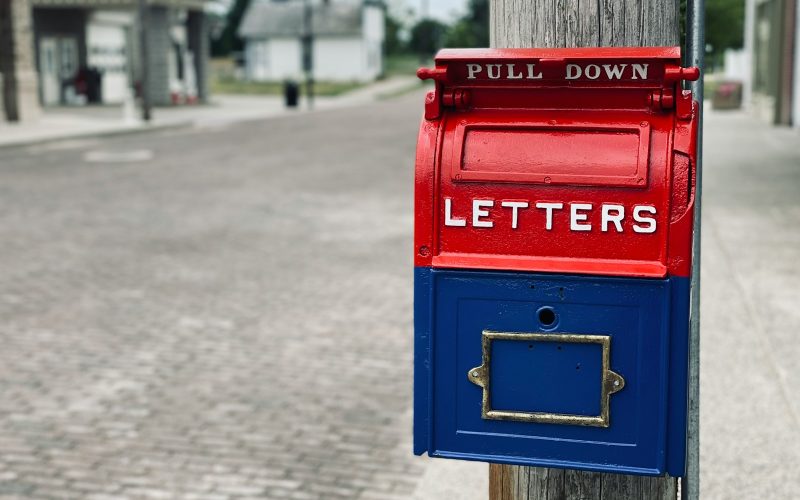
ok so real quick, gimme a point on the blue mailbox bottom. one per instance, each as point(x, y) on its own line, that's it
point(514, 367)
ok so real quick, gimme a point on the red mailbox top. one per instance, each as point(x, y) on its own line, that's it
point(557, 160)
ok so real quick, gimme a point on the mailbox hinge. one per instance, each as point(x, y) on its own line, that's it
point(670, 95)
point(441, 97)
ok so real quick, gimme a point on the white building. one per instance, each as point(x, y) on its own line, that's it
point(347, 40)
point(772, 60)
point(75, 52)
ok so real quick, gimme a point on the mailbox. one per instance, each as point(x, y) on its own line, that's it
point(554, 200)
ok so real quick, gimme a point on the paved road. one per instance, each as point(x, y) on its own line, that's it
point(230, 316)
point(228, 319)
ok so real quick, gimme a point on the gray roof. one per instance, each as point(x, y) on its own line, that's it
point(266, 19)
point(187, 4)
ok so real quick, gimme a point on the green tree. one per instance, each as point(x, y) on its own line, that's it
point(472, 30)
point(426, 36)
point(393, 43)
point(229, 40)
point(724, 27)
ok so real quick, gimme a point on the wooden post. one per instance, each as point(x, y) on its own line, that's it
point(580, 23)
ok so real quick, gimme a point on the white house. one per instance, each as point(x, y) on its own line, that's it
point(771, 66)
point(347, 40)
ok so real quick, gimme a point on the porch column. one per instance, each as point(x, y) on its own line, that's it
point(159, 46)
point(197, 31)
point(17, 62)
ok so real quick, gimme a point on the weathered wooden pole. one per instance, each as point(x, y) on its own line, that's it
point(580, 23)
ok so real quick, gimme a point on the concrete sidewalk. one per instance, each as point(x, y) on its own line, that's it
point(750, 430)
point(81, 122)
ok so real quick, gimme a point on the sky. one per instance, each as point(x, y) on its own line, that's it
point(442, 9)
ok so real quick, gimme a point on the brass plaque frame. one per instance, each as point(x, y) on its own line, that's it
point(610, 381)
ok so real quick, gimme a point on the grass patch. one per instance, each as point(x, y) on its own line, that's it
point(405, 64)
point(411, 87)
point(710, 87)
point(234, 86)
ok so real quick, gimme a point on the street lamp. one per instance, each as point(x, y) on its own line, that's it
point(143, 61)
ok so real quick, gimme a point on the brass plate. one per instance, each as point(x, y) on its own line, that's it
point(610, 381)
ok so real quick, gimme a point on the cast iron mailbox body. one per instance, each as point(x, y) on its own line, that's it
point(554, 192)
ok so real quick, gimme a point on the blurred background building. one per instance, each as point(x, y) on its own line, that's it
point(347, 41)
point(74, 52)
point(772, 55)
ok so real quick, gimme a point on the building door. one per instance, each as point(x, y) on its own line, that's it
point(49, 71)
point(106, 39)
point(58, 61)
point(68, 57)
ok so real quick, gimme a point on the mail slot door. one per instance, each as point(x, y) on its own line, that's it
point(557, 191)
point(533, 369)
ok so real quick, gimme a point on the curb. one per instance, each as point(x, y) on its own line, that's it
point(187, 123)
point(37, 141)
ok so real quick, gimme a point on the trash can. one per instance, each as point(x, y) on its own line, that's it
point(728, 95)
point(94, 93)
point(291, 92)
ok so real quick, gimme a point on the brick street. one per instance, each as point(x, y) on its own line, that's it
point(225, 313)
point(229, 319)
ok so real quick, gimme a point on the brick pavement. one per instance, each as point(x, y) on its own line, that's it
point(231, 319)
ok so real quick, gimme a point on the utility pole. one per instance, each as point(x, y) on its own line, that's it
point(144, 61)
point(307, 44)
point(585, 23)
point(695, 54)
